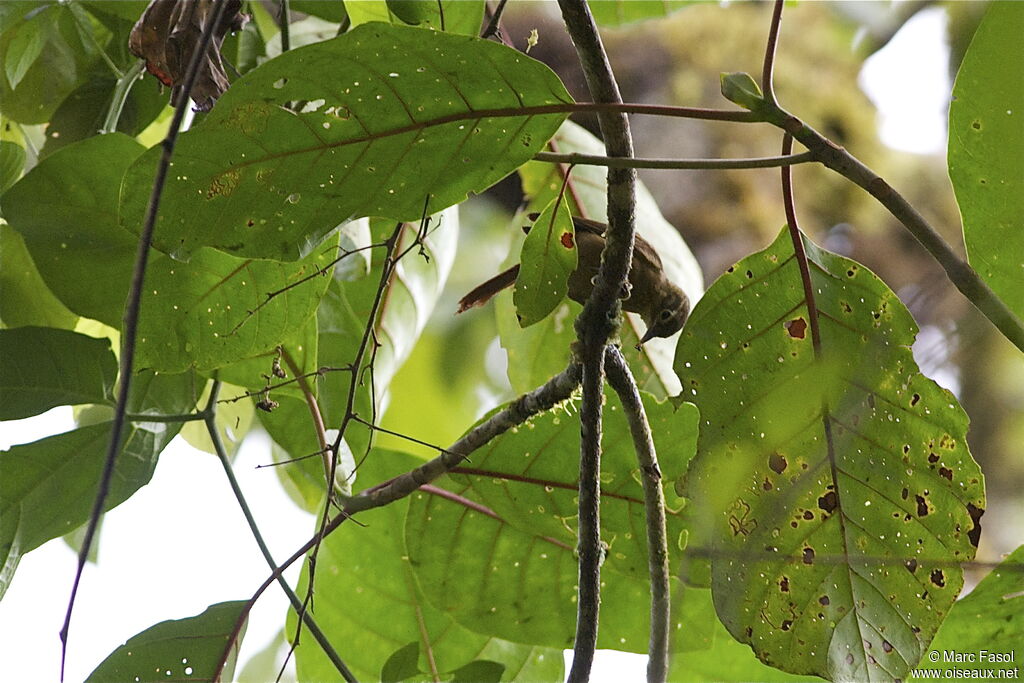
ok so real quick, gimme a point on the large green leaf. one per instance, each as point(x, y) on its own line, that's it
point(199, 648)
point(365, 584)
point(12, 163)
point(496, 551)
point(66, 210)
point(990, 620)
point(24, 297)
point(837, 494)
point(539, 352)
point(413, 114)
point(45, 367)
point(986, 150)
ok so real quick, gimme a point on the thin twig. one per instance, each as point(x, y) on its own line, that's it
point(314, 412)
point(704, 164)
point(131, 318)
point(284, 21)
point(597, 322)
point(621, 379)
point(492, 25)
point(768, 67)
point(210, 419)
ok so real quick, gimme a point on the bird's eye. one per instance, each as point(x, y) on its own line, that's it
point(665, 314)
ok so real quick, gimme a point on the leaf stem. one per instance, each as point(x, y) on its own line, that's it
point(621, 379)
point(284, 22)
point(706, 164)
point(210, 419)
point(314, 413)
point(124, 85)
point(131, 319)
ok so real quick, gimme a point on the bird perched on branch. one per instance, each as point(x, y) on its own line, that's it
point(662, 305)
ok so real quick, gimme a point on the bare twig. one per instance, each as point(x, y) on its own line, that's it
point(314, 413)
point(210, 418)
point(131, 318)
point(684, 164)
point(493, 26)
point(284, 22)
point(621, 379)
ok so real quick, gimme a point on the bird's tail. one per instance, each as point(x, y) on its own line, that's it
point(483, 293)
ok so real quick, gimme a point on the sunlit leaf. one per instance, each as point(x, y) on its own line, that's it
point(199, 648)
point(837, 494)
point(45, 367)
point(986, 150)
point(414, 114)
point(616, 13)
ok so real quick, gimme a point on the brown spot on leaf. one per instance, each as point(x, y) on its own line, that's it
point(905, 493)
point(567, 240)
point(915, 399)
point(823, 600)
point(887, 646)
point(922, 506)
point(933, 458)
point(777, 463)
point(786, 624)
point(974, 535)
point(808, 515)
point(911, 565)
point(797, 328)
point(748, 631)
point(946, 473)
point(849, 658)
point(784, 584)
point(938, 578)
point(828, 502)
point(767, 484)
point(808, 556)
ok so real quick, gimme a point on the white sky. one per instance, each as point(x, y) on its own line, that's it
point(181, 544)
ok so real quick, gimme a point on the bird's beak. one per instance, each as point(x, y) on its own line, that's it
point(648, 336)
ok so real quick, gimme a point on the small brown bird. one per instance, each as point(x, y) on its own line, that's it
point(661, 304)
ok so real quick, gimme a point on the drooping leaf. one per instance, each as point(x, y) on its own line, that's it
point(45, 367)
point(66, 210)
point(539, 352)
point(615, 13)
point(23, 50)
point(986, 150)
point(548, 257)
point(24, 297)
point(989, 620)
point(496, 551)
point(365, 584)
point(836, 494)
point(331, 10)
point(453, 16)
point(199, 648)
point(378, 137)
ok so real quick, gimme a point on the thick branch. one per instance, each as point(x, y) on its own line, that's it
point(597, 322)
point(621, 379)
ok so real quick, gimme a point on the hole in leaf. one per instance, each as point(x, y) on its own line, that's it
point(938, 578)
point(797, 328)
point(827, 502)
point(808, 556)
point(777, 463)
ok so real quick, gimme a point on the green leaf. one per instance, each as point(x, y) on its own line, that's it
point(837, 493)
point(66, 210)
point(365, 584)
point(496, 551)
point(742, 89)
point(23, 50)
point(199, 648)
point(376, 138)
point(616, 13)
point(60, 60)
point(12, 163)
point(402, 664)
point(24, 297)
point(548, 257)
point(45, 367)
point(537, 353)
point(453, 16)
point(82, 113)
point(331, 10)
point(480, 671)
point(218, 308)
point(990, 619)
point(986, 150)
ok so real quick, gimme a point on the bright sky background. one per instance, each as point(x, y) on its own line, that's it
point(181, 543)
